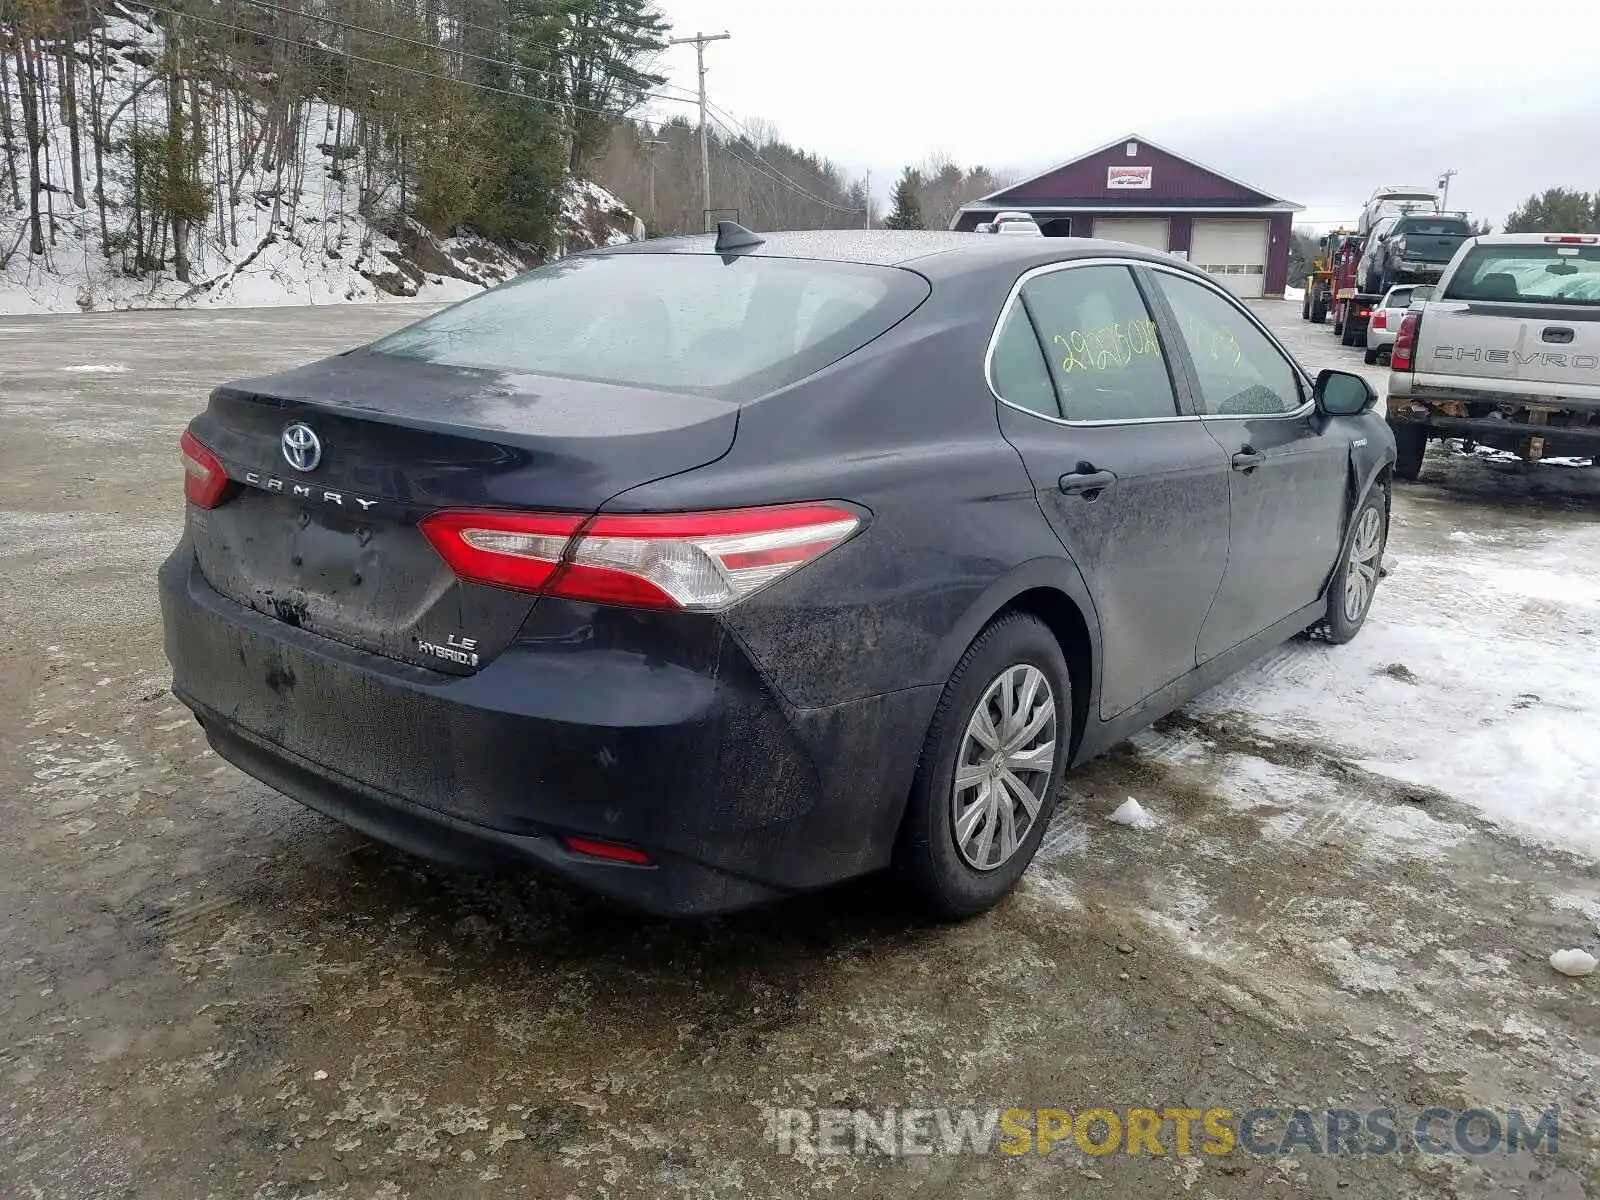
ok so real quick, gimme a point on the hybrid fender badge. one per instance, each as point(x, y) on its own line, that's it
point(302, 449)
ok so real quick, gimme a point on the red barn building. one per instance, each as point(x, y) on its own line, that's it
point(1132, 190)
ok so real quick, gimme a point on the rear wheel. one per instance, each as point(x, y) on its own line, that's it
point(991, 765)
point(1370, 357)
point(1410, 445)
point(1356, 579)
point(1305, 306)
point(1319, 308)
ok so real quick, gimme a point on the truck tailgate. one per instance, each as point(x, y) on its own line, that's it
point(1523, 317)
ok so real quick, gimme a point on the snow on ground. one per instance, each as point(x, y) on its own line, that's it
point(1478, 673)
point(298, 238)
point(1294, 295)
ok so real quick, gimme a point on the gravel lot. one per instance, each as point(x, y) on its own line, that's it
point(1362, 859)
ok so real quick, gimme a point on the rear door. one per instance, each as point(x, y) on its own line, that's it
point(1288, 471)
point(1520, 317)
point(1134, 487)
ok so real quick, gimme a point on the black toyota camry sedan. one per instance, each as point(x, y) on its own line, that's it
point(706, 571)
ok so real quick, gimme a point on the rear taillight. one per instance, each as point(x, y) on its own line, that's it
point(1365, 312)
point(1572, 239)
point(697, 562)
point(514, 550)
point(1380, 320)
point(1405, 342)
point(205, 480)
point(608, 851)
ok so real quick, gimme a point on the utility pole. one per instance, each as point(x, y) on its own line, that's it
point(653, 143)
point(699, 41)
point(867, 190)
point(1444, 183)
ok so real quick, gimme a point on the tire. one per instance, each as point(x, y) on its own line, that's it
point(1338, 328)
point(1014, 651)
point(1410, 445)
point(1319, 309)
point(1355, 579)
point(1305, 306)
point(1370, 357)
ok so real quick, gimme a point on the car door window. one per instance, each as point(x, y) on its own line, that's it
point(1017, 367)
point(1240, 372)
point(1101, 343)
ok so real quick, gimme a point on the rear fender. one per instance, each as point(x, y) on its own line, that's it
point(1060, 575)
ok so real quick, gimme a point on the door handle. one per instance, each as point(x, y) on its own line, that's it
point(1085, 480)
point(1558, 334)
point(1248, 459)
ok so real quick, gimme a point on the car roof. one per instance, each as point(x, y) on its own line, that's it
point(934, 251)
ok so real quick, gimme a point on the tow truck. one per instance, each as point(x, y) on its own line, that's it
point(1352, 308)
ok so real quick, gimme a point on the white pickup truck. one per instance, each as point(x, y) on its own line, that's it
point(1505, 353)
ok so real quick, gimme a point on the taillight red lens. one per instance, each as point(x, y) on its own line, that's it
point(205, 479)
point(610, 851)
point(1380, 320)
point(1405, 342)
point(698, 562)
point(514, 550)
point(1572, 239)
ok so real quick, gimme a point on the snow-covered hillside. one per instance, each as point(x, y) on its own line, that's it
point(295, 234)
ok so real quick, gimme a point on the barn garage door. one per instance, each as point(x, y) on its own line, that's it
point(1233, 251)
point(1141, 231)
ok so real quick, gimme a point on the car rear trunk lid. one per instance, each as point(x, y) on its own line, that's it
point(335, 548)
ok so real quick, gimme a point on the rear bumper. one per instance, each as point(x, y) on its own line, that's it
point(1419, 272)
point(678, 749)
point(1521, 437)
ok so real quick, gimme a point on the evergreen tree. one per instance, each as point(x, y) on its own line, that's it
point(907, 211)
point(1556, 210)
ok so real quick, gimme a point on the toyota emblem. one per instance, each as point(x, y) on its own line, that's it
point(302, 449)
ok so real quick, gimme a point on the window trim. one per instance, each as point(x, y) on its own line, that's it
point(1163, 318)
point(1014, 298)
point(1307, 401)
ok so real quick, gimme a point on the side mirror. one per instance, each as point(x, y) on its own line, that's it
point(1342, 394)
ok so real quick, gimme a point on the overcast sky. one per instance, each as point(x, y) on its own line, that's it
point(1262, 91)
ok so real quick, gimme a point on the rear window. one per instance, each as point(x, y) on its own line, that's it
point(673, 322)
point(1447, 226)
point(1399, 298)
point(1528, 271)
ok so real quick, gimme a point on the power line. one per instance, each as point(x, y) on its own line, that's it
point(378, 62)
point(340, 23)
point(770, 171)
point(461, 22)
point(746, 135)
